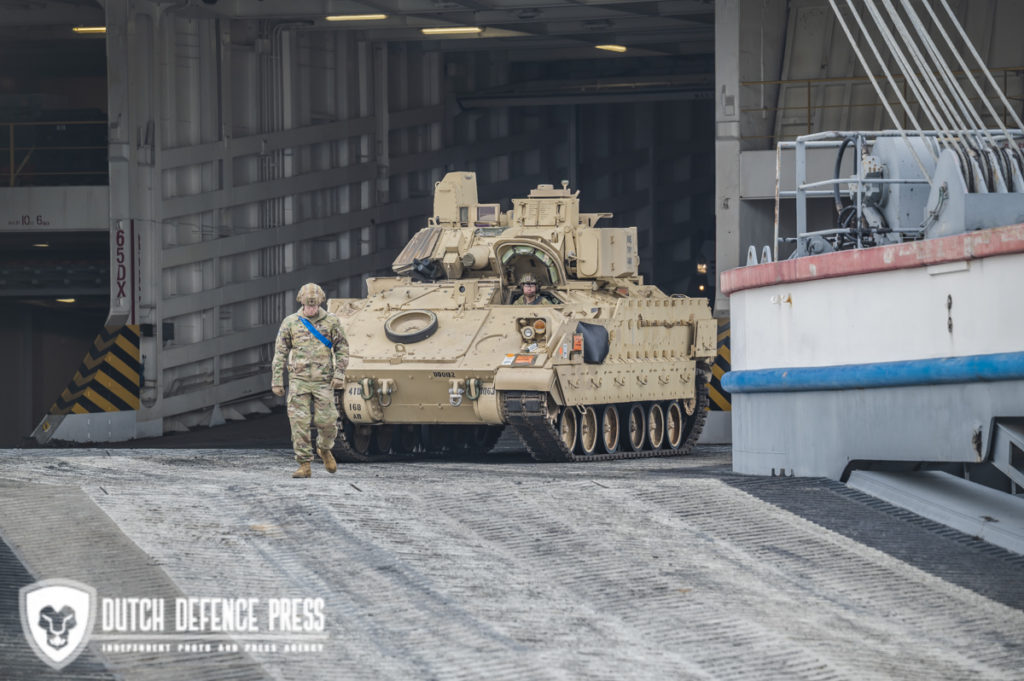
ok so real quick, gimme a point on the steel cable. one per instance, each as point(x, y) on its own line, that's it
point(878, 88)
point(977, 87)
point(927, 106)
point(963, 101)
point(950, 121)
point(892, 84)
point(966, 131)
point(946, 136)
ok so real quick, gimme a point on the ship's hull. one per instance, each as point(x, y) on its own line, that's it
point(911, 353)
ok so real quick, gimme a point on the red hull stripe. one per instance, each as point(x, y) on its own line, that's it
point(969, 246)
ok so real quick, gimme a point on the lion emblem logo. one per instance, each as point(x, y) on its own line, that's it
point(57, 616)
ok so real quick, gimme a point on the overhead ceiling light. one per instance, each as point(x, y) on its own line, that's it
point(451, 29)
point(41, 245)
point(357, 17)
point(90, 29)
point(611, 48)
point(65, 300)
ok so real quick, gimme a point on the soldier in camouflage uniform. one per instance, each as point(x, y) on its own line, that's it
point(531, 292)
point(315, 370)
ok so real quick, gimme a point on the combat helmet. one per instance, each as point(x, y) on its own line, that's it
point(311, 294)
point(528, 278)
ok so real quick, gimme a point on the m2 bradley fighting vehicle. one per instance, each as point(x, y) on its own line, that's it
point(442, 357)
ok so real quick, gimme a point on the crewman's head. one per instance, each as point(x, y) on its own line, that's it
point(529, 284)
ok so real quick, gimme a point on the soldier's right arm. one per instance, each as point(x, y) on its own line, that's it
point(281, 348)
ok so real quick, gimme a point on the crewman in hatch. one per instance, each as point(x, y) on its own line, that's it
point(531, 291)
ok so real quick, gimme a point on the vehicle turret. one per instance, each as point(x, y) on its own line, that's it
point(466, 239)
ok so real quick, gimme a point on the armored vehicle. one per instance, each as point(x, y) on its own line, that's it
point(444, 355)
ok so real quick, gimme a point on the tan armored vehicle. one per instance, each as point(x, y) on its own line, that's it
point(442, 356)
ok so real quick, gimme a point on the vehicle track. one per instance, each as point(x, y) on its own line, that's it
point(527, 412)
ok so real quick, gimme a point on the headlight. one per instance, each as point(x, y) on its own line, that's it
point(527, 332)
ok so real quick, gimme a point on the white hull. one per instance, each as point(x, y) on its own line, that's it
point(910, 352)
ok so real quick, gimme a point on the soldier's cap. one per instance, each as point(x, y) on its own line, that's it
point(528, 278)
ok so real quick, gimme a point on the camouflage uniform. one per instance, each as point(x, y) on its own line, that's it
point(311, 369)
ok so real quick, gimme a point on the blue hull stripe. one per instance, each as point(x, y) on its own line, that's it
point(1004, 366)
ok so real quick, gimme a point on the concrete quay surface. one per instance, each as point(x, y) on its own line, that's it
point(500, 568)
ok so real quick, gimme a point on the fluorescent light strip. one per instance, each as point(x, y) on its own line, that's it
point(357, 17)
point(451, 29)
point(611, 48)
point(89, 29)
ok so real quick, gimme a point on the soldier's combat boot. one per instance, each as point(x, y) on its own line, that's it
point(303, 471)
point(329, 463)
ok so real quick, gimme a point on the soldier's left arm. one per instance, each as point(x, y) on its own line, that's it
point(340, 349)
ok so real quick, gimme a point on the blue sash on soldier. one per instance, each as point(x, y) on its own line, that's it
point(316, 334)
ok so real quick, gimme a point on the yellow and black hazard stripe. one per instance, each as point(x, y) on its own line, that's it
point(720, 399)
point(108, 378)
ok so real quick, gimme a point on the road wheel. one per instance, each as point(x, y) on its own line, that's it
point(481, 439)
point(588, 431)
point(362, 436)
point(384, 439)
point(568, 428)
point(655, 425)
point(610, 430)
point(674, 425)
point(636, 428)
